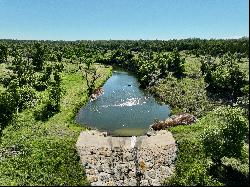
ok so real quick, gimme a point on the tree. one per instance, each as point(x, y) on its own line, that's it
point(90, 75)
point(19, 93)
point(176, 64)
point(225, 77)
point(3, 53)
point(225, 134)
point(43, 80)
point(38, 57)
point(7, 109)
point(56, 91)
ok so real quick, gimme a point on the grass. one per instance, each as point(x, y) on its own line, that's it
point(33, 152)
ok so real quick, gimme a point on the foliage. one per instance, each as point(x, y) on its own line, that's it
point(90, 75)
point(38, 57)
point(214, 47)
point(22, 72)
point(7, 109)
point(57, 164)
point(19, 93)
point(3, 53)
point(224, 77)
point(154, 67)
point(187, 95)
point(191, 168)
point(225, 135)
point(55, 93)
point(43, 79)
point(176, 64)
point(244, 100)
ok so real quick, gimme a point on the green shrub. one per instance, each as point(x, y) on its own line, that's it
point(225, 77)
point(7, 109)
point(224, 136)
point(191, 166)
point(184, 95)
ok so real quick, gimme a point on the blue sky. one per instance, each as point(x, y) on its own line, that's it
point(123, 19)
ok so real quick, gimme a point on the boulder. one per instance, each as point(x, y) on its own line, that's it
point(180, 119)
point(97, 92)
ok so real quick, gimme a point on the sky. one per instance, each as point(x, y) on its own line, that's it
point(123, 19)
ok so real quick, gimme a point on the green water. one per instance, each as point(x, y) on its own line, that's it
point(124, 109)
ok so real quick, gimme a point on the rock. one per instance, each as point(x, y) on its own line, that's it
point(111, 183)
point(90, 171)
point(92, 178)
point(150, 133)
point(132, 182)
point(144, 183)
point(104, 176)
point(128, 157)
point(180, 119)
point(105, 134)
point(155, 183)
point(151, 174)
point(96, 93)
point(98, 183)
point(132, 174)
point(99, 169)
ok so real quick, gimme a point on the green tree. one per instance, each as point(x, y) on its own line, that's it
point(225, 134)
point(38, 57)
point(56, 90)
point(3, 53)
point(224, 77)
point(176, 64)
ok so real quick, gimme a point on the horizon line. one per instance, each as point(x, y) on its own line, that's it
point(222, 38)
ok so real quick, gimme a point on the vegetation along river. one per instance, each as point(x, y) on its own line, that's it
point(124, 109)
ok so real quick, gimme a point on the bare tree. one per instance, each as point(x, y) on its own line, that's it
point(90, 75)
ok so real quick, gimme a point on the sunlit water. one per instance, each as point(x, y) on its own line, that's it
point(124, 109)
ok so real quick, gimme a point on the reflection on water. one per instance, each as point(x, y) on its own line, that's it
point(123, 107)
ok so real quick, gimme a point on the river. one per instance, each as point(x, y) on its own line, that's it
point(124, 109)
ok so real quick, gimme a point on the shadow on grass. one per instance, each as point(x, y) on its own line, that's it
point(229, 176)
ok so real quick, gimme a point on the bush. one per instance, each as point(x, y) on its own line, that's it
point(225, 77)
point(176, 64)
point(43, 80)
point(7, 109)
point(224, 136)
point(191, 168)
point(186, 95)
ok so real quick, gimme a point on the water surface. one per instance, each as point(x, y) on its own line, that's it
point(124, 109)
